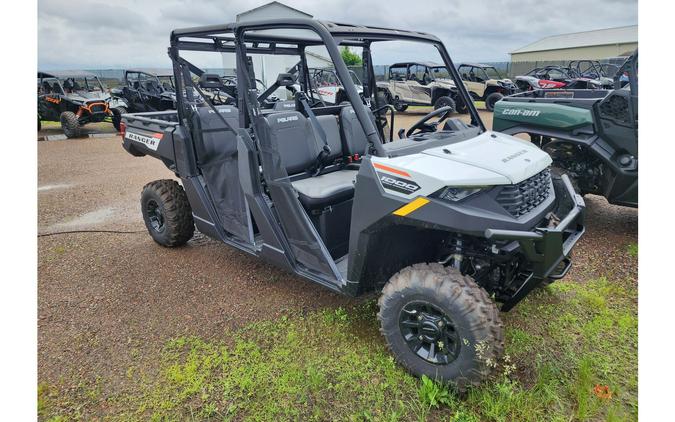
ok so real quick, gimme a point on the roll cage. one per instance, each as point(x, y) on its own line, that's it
point(321, 74)
point(66, 82)
point(164, 79)
point(428, 69)
point(471, 66)
point(272, 37)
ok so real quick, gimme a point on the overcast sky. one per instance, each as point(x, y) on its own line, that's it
point(94, 34)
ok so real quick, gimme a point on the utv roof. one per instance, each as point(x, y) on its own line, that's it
point(152, 71)
point(66, 74)
point(475, 65)
point(345, 33)
point(427, 64)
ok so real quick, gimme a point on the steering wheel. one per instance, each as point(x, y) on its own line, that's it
point(422, 124)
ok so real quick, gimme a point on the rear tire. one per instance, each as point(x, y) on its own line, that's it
point(445, 102)
point(167, 213)
point(70, 124)
point(117, 113)
point(466, 346)
point(492, 99)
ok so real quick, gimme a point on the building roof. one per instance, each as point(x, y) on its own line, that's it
point(272, 4)
point(620, 35)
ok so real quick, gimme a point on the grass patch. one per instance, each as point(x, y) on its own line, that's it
point(632, 249)
point(571, 355)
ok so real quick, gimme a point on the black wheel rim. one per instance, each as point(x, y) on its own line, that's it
point(155, 215)
point(429, 332)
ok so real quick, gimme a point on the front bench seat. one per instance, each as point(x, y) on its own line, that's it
point(299, 148)
point(326, 189)
point(354, 139)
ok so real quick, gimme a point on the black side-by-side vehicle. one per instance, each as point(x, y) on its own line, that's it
point(144, 90)
point(72, 97)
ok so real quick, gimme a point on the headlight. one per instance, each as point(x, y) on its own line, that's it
point(456, 193)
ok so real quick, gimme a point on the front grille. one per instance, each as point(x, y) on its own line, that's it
point(521, 198)
point(97, 107)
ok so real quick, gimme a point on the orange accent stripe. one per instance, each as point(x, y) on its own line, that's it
point(391, 169)
point(157, 135)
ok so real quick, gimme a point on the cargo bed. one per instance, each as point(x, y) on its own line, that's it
point(150, 133)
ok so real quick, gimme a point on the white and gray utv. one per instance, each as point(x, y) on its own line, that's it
point(421, 84)
point(450, 223)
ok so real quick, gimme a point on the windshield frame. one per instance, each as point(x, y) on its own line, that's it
point(496, 71)
point(431, 68)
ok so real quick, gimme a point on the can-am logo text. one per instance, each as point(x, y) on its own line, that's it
point(521, 112)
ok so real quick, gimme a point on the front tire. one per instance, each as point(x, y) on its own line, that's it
point(117, 113)
point(445, 102)
point(441, 324)
point(167, 213)
point(70, 124)
point(492, 99)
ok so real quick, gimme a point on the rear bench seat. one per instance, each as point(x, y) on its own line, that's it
point(299, 148)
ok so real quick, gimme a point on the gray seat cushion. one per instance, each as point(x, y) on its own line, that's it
point(329, 124)
point(326, 189)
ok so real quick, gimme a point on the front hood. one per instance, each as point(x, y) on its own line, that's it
point(86, 97)
point(498, 81)
point(506, 155)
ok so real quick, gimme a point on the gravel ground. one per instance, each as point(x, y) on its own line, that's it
point(105, 300)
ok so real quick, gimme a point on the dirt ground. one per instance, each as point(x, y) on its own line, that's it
point(105, 299)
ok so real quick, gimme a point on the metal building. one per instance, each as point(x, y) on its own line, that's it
point(597, 44)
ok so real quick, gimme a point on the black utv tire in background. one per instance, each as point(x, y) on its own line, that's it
point(167, 213)
point(117, 113)
point(70, 124)
point(426, 303)
point(398, 105)
point(460, 107)
point(492, 99)
point(445, 102)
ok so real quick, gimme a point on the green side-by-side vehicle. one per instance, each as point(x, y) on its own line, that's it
point(590, 134)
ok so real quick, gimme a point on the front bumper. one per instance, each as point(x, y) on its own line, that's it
point(98, 109)
point(547, 248)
